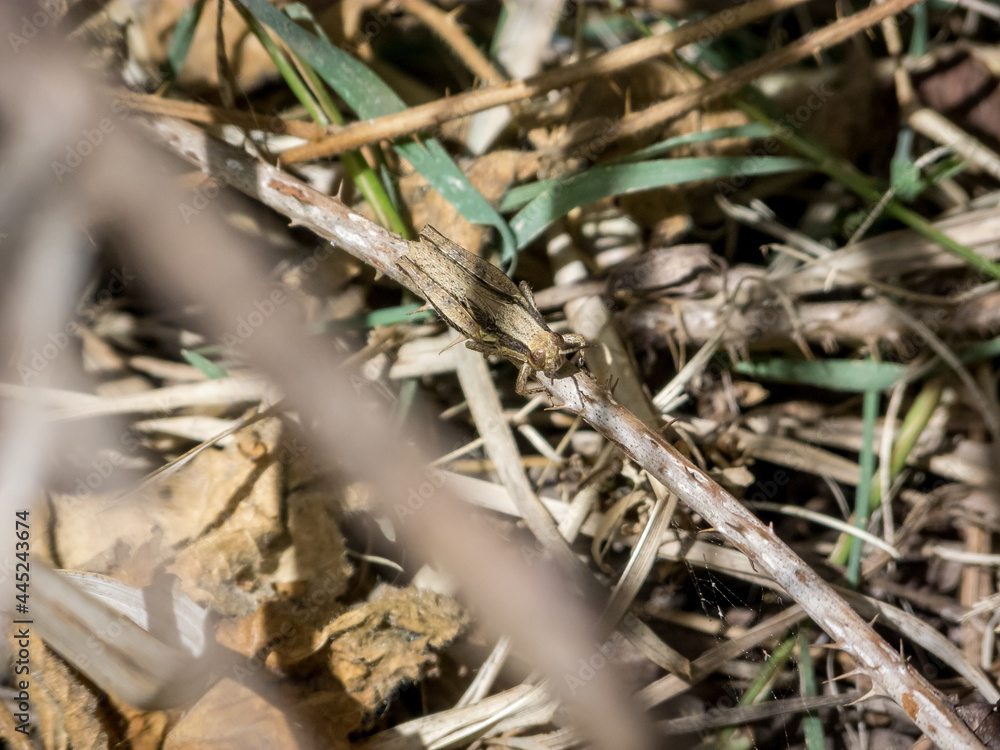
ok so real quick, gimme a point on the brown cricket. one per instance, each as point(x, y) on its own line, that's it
point(481, 302)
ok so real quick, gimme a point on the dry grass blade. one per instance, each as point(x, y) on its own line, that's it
point(482, 683)
point(194, 112)
point(467, 722)
point(135, 665)
point(446, 26)
point(766, 633)
point(653, 647)
point(70, 405)
point(641, 560)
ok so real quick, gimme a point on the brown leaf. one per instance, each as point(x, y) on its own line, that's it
point(387, 642)
point(985, 722)
point(281, 717)
point(226, 566)
point(8, 731)
point(128, 539)
point(315, 566)
point(231, 715)
point(280, 631)
point(251, 65)
point(146, 729)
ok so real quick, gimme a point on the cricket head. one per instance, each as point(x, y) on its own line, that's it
point(547, 351)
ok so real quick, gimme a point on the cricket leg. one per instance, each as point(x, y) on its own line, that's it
point(574, 342)
point(522, 387)
point(478, 346)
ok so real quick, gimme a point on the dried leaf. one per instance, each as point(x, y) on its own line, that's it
point(251, 65)
point(280, 632)
point(984, 721)
point(315, 565)
point(227, 566)
point(678, 271)
point(387, 642)
point(962, 88)
point(146, 531)
point(231, 715)
point(8, 731)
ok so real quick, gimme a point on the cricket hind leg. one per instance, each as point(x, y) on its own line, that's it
point(574, 342)
point(522, 387)
point(479, 346)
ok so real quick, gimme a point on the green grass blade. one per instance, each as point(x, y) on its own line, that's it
point(753, 130)
point(621, 179)
point(299, 12)
point(983, 350)
point(208, 368)
point(180, 42)
point(755, 690)
point(370, 97)
point(375, 188)
point(285, 68)
point(315, 98)
point(862, 496)
point(850, 375)
point(364, 176)
point(522, 194)
point(387, 316)
point(914, 424)
point(812, 727)
point(759, 108)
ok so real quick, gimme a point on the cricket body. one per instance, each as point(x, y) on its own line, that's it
point(482, 303)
